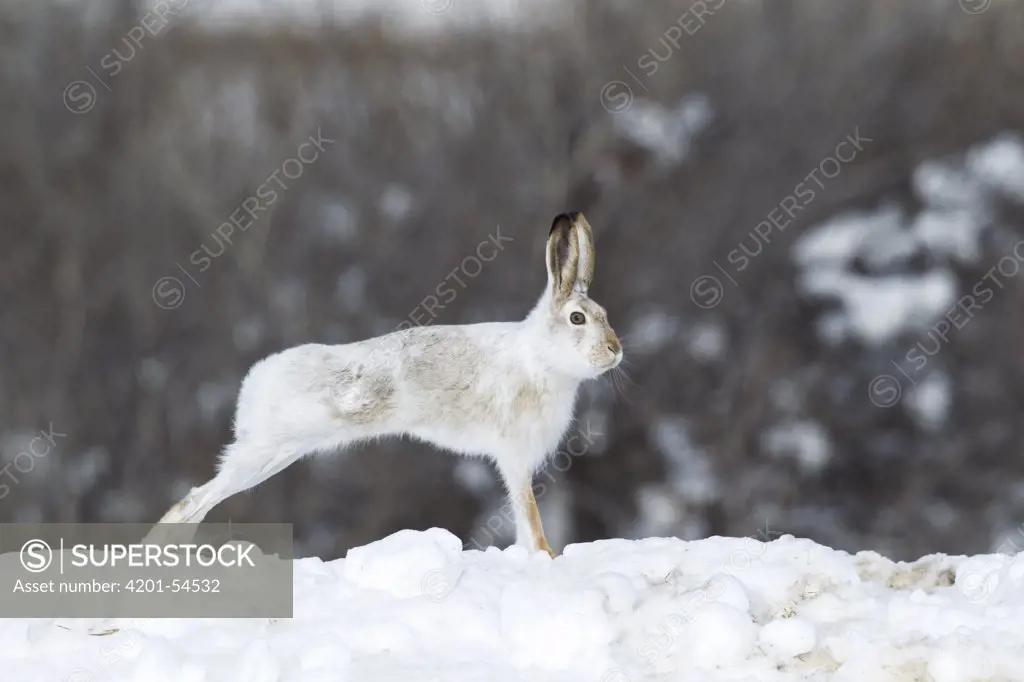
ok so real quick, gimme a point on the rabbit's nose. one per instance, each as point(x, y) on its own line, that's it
point(614, 346)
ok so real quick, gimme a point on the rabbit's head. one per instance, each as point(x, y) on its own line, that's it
point(577, 334)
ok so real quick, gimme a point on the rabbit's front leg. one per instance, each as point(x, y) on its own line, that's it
point(533, 517)
point(529, 531)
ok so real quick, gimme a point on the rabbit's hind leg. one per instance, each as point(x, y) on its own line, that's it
point(242, 467)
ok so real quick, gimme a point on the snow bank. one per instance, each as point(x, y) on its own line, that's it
point(413, 606)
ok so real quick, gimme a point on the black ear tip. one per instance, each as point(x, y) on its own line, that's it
point(568, 218)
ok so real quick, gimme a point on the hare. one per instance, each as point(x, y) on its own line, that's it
point(505, 390)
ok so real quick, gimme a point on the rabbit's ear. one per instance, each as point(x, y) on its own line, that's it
point(570, 255)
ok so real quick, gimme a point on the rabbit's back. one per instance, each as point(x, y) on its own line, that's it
point(467, 388)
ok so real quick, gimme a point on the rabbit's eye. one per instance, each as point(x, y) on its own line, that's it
point(577, 318)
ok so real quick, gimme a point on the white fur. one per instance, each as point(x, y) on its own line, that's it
point(505, 390)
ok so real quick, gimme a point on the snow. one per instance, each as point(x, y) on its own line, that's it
point(414, 606)
point(409, 17)
point(930, 401)
point(805, 441)
point(999, 164)
point(403, 567)
point(940, 185)
point(707, 341)
point(668, 134)
point(836, 242)
point(396, 203)
point(865, 259)
point(337, 220)
point(953, 232)
point(876, 309)
point(788, 638)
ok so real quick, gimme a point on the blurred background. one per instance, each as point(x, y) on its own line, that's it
point(809, 220)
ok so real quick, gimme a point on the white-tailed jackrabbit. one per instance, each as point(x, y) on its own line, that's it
point(501, 389)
